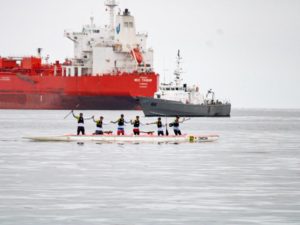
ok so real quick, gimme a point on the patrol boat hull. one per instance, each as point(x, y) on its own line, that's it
point(159, 107)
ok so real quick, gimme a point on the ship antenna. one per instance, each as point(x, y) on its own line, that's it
point(92, 21)
point(178, 70)
point(111, 4)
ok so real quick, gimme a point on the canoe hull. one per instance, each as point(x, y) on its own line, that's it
point(130, 138)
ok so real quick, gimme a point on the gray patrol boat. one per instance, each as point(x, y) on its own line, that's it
point(177, 99)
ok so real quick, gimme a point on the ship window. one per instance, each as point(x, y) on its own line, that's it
point(154, 104)
point(76, 71)
point(130, 24)
point(126, 24)
point(168, 89)
point(64, 72)
point(84, 71)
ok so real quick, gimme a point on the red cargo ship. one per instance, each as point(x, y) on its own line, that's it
point(111, 67)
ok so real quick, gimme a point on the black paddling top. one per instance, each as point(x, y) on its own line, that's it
point(80, 120)
point(136, 124)
point(121, 122)
point(176, 123)
point(99, 124)
point(159, 124)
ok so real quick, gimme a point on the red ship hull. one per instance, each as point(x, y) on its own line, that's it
point(107, 92)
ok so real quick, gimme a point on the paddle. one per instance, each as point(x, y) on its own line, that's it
point(147, 132)
point(186, 119)
point(71, 112)
point(167, 132)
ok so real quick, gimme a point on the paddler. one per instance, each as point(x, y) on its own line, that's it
point(160, 129)
point(121, 125)
point(80, 120)
point(99, 125)
point(175, 125)
point(136, 125)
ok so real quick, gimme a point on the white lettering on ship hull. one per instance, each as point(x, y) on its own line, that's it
point(4, 78)
point(143, 80)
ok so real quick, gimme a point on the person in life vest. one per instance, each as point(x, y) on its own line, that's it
point(121, 125)
point(175, 125)
point(80, 120)
point(136, 125)
point(160, 127)
point(99, 126)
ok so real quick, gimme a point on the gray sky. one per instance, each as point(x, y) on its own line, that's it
point(248, 51)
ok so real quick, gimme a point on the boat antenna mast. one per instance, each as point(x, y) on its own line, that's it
point(178, 70)
point(111, 4)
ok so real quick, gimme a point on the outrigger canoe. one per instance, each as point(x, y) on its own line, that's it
point(128, 138)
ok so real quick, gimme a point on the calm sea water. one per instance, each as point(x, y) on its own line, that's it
point(250, 176)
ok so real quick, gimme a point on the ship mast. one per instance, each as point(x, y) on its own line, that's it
point(178, 70)
point(111, 4)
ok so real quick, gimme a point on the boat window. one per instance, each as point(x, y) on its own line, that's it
point(126, 24)
point(76, 71)
point(84, 71)
point(177, 89)
point(154, 104)
point(130, 24)
point(65, 72)
point(168, 89)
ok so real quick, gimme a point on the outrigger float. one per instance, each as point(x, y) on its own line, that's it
point(127, 138)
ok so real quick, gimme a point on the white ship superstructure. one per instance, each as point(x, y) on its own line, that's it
point(177, 90)
point(113, 49)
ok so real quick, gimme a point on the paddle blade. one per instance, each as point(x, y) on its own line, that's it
point(67, 115)
point(71, 112)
